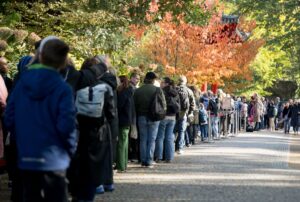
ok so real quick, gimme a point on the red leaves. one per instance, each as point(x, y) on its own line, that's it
point(203, 54)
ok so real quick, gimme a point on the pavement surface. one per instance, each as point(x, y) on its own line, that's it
point(251, 167)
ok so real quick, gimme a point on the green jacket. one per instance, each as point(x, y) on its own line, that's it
point(143, 97)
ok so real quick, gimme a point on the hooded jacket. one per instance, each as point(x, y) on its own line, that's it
point(42, 114)
point(171, 93)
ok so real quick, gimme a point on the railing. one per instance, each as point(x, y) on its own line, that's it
point(230, 124)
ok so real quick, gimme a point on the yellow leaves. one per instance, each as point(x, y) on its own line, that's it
point(282, 18)
point(184, 49)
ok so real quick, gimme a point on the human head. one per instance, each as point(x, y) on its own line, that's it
point(134, 78)
point(53, 52)
point(3, 66)
point(124, 83)
point(89, 62)
point(210, 94)
point(150, 78)
point(166, 82)
point(182, 80)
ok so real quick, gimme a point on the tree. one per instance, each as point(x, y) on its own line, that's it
point(204, 53)
point(278, 23)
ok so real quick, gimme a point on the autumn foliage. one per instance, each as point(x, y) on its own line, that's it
point(209, 53)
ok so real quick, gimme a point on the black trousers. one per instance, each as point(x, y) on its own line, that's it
point(39, 186)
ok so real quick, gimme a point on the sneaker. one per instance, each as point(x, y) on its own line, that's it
point(100, 190)
point(149, 166)
point(180, 151)
point(168, 161)
point(109, 187)
point(158, 161)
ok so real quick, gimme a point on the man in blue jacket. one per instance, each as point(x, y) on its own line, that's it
point(41, 113)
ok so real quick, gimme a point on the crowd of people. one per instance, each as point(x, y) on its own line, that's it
point(61, 123)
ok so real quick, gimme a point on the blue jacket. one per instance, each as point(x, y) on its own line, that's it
point(42, 114)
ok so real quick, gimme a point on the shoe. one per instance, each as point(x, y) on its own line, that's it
point(168, 161)
point(180, 151)
point(109, 187)
point(121, 171)
point(158, 161)
point(100, 190)
point(149, 166)
point(188, 145)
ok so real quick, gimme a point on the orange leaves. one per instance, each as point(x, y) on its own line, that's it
point(204, 54)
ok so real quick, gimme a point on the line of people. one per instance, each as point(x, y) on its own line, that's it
point(274, 114)
point(61, 123)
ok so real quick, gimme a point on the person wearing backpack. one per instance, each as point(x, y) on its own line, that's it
point(272, 112)
point(147, 124)
point(203, 122)
point(95, 110)
point(41, 113)
point(165, 136)
point(213, 108)
point(187, 107)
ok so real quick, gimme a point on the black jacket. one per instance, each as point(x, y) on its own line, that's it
point(295, 115)
point(94, 155)
point(171, 93)
point(287, 111)
point(125, 104)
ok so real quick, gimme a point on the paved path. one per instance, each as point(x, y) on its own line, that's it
point(252, 167)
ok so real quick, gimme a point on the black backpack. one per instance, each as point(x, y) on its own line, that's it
point(157, 109)
point(271, 112)
point(173, 105)
point(213, 107)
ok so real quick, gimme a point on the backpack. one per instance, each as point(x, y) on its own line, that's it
point(202, 117)
point(90, 100)
point(205, 102)
point(272, 112)
point(184, 98)
point(157, 109)
point(213, 107)
point(172, 105)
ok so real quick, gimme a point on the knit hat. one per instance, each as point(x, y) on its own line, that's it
point(45, 40)
point(182, 79)
point(150, 76)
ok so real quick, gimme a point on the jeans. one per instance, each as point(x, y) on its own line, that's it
point(122, 148)
point(204, 132)
point(148, 132)
point(182, 124)
point(42, 186)
point(192, 132)
point(187, 139)
point(287, 125)
point(165, 140)
point(215, 126)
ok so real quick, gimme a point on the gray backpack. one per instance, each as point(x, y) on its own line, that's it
point(90, 100)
